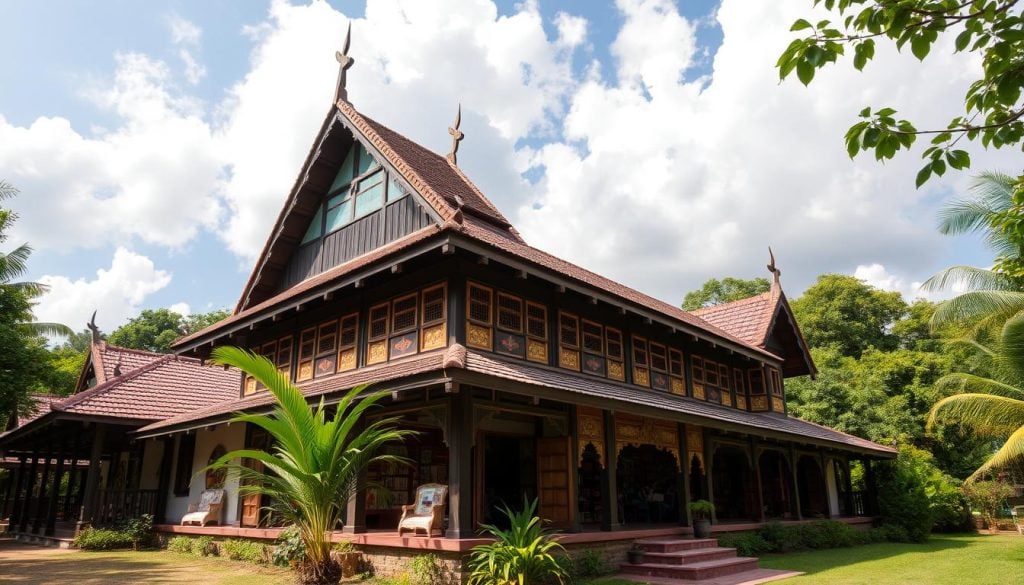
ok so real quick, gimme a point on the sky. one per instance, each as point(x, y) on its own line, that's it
point(154, 143)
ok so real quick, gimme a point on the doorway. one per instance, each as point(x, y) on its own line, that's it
point(509, 475)
point(648, 485)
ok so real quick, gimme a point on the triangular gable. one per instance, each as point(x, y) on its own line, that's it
point(766, 321)
point(437, 185)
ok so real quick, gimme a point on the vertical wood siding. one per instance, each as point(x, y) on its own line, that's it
point(395, 220)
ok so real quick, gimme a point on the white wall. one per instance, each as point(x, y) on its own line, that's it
point(231, 437)
point(152, 454)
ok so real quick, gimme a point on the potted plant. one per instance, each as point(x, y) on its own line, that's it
point(700, 511)
point(635, 555)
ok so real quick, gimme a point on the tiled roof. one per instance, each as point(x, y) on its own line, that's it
point(770, 424)
point(418, 364)
point(441, 183)
point(162, 388)
point(41, 406)
point(748, 319)
point(107, 358)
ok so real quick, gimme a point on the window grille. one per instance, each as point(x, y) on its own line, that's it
point(403, 314)
point(510, 313)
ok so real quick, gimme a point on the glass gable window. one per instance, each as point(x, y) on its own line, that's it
point(360, 188)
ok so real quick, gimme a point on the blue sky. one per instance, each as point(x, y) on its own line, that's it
point(706, 113)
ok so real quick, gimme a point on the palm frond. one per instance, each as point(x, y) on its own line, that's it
point(960, 383)
point(46, 329)
point(14, 264)
point(1011, 452)
point(967, 278)
point(973, 307)
point(985, 414)
point(7, 190)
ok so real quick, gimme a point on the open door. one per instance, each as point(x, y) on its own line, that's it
point(251, 504)
point(554, 481)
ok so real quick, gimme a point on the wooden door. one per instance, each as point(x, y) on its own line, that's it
point(555, 481)
point(251, 502)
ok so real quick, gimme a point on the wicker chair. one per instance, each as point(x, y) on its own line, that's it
point(427, 513)
point(207, 510)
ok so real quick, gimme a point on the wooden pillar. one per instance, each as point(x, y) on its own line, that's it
point(14, 499)
point(460, 464)
point(574, 470)
point(92, 478)
point(355, 510)
point(40, 509)
point(708, 468)
point(822, 465)
point(51, 508)
point(848, 481)
point(609, 490)
point(684, 454)
point(755, 457)
point(164, 479)
point(871, 497)
point(27, 501)
point(795, 492)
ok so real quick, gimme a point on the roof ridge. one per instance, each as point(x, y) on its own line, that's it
point(737, 302)
point(146, 352)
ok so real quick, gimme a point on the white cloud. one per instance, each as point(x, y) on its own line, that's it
point(187, 35)
point(152, 178)
point(115, 294)
point(572, 30)
point(181, 308)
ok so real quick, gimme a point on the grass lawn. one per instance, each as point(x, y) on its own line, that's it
point(30, 564)
point(944, 559)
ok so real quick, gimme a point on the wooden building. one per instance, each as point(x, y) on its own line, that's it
point(525, 374)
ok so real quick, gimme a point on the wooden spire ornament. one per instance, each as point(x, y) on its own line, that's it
point(457, 137)
point(344, 63)
point(776, 273)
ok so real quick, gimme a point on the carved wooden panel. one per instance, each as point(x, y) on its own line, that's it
point(377, 352)
point(636, 431)
point(777, 404)
point(759, 403)
point(536, 351)
point(478, 336)
point(641, 377)
point(305, 371)
point(250, 385)
point(347, 359)
point(695, 445)
point(569, 359)
point(698, 391)
point(616, 371)
point(678, 386)
point(434, 337)
point(590, 430)
point(741, 402)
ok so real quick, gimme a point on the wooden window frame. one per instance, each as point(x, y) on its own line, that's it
point(498, 309)
point(348, 347)
point(622, 345)
point(285, 342)
point(650, 356)
point(387, 322)
point(676, 356)
point(537, 345)
point(561, 341)
point(641, 368)
point(544, 320)
point(697, 368)
point(775, 386)
point(393, 314)
point(320, 351)
point(603, 350)
point(469, 304)
point(479, 332)
point(443, 287)
point(751, 387)
point(300, 360)
point(569, 353)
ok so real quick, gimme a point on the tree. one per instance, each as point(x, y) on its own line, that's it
point(991, 407)
point(156, 329)
point(715, 292)
point(992, 30)
point(849, 314)
point(311, 471)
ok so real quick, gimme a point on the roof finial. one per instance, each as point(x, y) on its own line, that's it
point(776, 273)
point(92, 327)
point(457, 137)
point(344, 62)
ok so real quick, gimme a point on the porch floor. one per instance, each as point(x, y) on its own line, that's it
point(389, 538)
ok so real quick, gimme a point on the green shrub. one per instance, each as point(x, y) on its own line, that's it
point(747, 544)
point(180, 545)
point(428, 570)
point(290, 548)
point(139, 529)
point(203, 547)
point(988, 498)
point(103, 539)
point(588, 564)
point(902, 493)
point(249, 551)
point(525, 552)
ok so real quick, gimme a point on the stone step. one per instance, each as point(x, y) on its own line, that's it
point(693, 555)
point(693, 571)
point(667, 545)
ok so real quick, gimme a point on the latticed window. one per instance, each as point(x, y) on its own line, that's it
point(614, 343)
point(378, 322)
point(348, 337)
point(659, 357)
point(756, 381)
point(403, 314)
point(307, 351)
point(711, 373)
point(480, 299)
point(569, 330)
point(740, 382)
point(698, 368)
point(327, 338)
point(641, 362)
point(776, 381)
point(284, 355)
point(675, 362)
point(593, 337)
point(434, 309)
point(537, 321)
point(510, 313)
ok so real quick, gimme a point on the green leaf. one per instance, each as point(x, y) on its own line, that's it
point(800, 25)
point(885, 112)
point(804, 72)
point(920, 46)
point(923, 175)
point(962, 40)
point(866, 112)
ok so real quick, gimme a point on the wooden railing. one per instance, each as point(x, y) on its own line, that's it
point(859, 499)
point(115, 505)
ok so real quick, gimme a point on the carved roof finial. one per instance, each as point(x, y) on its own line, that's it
point(457, 137)
point(94, 329)
point(776, 273)
point(344, 63)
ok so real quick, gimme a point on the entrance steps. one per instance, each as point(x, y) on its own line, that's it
point(690, 559)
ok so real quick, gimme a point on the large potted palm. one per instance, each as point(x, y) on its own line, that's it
point(317, 455)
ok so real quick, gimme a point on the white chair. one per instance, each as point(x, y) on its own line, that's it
point(207, 510)
point(427, 514)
